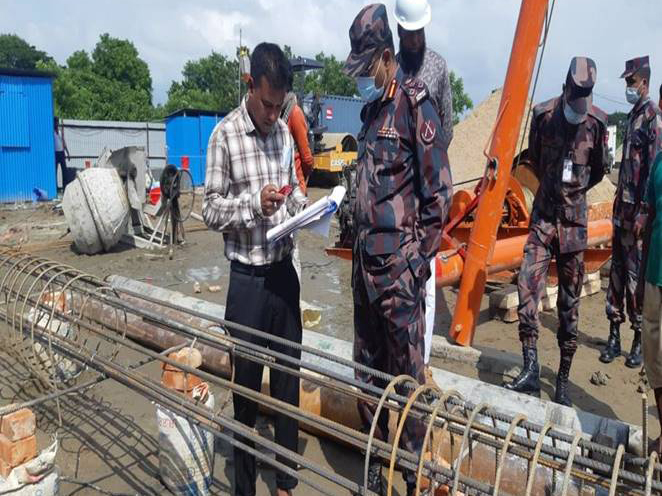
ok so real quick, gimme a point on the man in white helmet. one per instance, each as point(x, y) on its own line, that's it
point(416, 60)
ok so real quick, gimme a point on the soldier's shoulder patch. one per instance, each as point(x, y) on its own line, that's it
point(428, 131)
point(415, 89)
point(599, 114)
point(544, 107)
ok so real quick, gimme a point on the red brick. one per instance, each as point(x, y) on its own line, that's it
point(18, 425)
point(14, 453)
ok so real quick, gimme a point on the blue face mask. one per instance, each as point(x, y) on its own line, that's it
point(571, 116)
point(367, 88)
point(632, 94)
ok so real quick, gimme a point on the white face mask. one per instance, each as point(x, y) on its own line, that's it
point(571, 116)
point(632, 94)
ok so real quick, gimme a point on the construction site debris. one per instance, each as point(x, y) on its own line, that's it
point(600, 378)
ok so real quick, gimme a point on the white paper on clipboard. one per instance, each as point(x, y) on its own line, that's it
point(316, 217)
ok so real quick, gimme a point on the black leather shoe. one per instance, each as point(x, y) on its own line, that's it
point(634, 359)
point(528, 380)
point(613, 348)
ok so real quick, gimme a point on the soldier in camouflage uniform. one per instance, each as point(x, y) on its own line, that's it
point(568, 152)
point(404, 189)
point(643, 139)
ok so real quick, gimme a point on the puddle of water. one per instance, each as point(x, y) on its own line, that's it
point(203, 274)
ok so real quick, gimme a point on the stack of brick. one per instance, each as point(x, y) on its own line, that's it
point(18, 443)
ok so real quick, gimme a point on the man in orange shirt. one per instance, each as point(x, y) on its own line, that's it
point(296, 122)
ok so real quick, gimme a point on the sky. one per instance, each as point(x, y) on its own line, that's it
point(475, 36)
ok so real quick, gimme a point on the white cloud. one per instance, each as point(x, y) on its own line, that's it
point(219, 29)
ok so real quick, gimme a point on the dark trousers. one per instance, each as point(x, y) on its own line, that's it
point(389, 336)
point(624, 278)
point(267, 300)
point(68, 175)
point(541, 245)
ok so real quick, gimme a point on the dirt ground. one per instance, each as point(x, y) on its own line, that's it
point(108, 436)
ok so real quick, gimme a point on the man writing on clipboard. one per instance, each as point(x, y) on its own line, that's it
point(250, 169)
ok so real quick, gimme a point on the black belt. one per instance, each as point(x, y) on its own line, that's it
point(259, 270)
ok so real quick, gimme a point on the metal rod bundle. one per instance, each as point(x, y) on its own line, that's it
point(62, 320)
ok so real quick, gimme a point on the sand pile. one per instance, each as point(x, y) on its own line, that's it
point(604, 191)
point(470, 137)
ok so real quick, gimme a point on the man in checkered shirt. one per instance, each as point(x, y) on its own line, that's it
point(249, 160)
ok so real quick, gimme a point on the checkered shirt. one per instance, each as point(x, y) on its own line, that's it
point(240, 163)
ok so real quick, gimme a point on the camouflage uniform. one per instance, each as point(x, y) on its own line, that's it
point(558, 225)
point(404, 189)
point(642, 141)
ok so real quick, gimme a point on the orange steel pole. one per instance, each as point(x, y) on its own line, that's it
point(508, 254)
point(501, 151)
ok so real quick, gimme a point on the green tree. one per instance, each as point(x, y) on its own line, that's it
point(16, 53)
point(118, 60)
point(461, 101)
point(79, 60)
point(330, 80)
point(103, 87)
point(209, 83)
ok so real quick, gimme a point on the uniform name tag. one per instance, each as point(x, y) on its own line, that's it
point(567, 170)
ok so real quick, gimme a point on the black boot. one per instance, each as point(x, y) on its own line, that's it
point(613, 348)
point(634, 359)
point(376, 482)
point(561, 396)
point(528, 380)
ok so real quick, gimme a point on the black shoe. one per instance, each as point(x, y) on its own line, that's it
point(613, 347)
point(376, 482)
point(634, 359)
point(561, 394)
point(528, 380)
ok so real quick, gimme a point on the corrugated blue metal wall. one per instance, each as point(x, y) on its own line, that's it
point(345, 114)
point(187, 135)
point(27, 156)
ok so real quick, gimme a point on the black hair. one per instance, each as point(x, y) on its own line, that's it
point(661, 92)
point(268, 60)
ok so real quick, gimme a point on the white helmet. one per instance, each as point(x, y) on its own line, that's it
point(412, 15)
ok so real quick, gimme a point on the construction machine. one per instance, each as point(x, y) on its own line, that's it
point(332, 152)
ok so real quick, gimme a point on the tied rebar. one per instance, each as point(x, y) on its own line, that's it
point(61, 321)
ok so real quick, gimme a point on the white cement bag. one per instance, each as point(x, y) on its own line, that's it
point(38, 477)
point(185, 453)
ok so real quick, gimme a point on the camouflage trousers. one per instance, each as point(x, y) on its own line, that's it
point(541, 246)
point(389, 336)
point(624, 281)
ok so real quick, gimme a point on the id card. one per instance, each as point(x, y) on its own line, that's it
point(567, 171)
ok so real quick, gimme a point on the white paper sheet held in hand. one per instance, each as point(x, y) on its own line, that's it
point(316, 217)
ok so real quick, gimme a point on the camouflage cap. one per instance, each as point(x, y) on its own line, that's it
point(635, 65)
point(579, 84)
point(369, 33)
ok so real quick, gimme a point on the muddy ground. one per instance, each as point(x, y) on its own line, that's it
point(108, 435)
